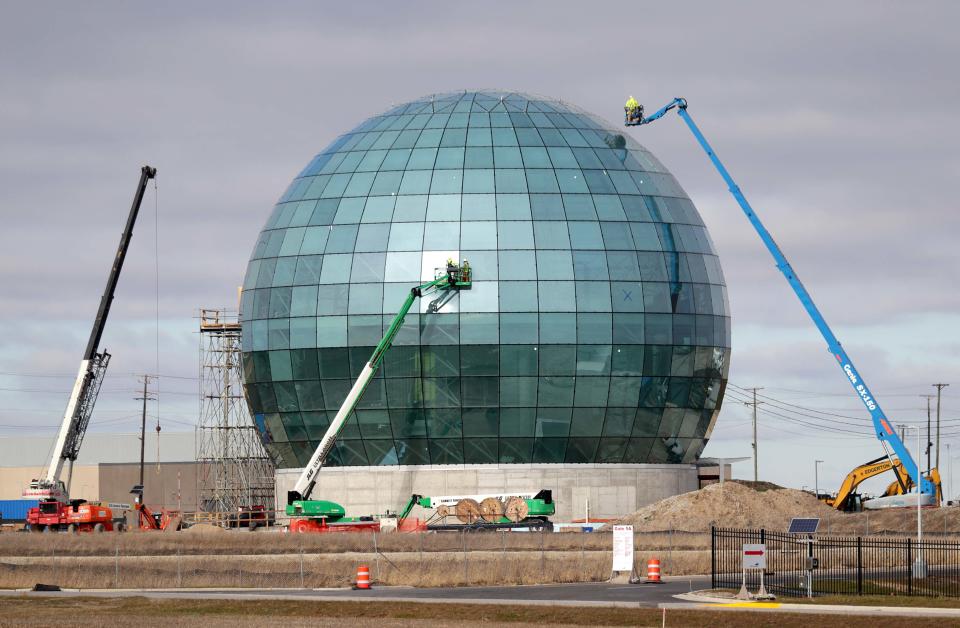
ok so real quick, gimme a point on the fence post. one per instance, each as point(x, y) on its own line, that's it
point(909, 567)
point(376, 555)
point(463, 543)
point(301, 564)
point(543, 560)
point(503, 557)
point(859, 566)
point(669, 550)
point(116, 568)
point(179, 571)
point(713, 557)
point(583, 562)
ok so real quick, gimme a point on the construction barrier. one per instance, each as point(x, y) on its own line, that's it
point(363, 577)
point(653, 571)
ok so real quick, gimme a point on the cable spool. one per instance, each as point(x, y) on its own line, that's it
point(516, 509)
point(443, 511)
point(468, 510)
point(491, 509)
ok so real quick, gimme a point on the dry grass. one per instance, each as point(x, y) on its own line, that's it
point(431, 569)
point(274, 542)
point(262, 559)
point(87, 612)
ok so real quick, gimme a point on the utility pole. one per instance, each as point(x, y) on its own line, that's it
point(754, 403)
point(143, 424)
point(940, 388)
point(930, 442)
point(946, 493)
point(816, 477)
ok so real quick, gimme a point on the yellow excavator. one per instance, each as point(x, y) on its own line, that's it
point(848, 500)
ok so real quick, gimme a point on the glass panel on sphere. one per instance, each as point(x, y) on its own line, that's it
point(558, 328)
point(555, 265)
point(476, 207)
point(516, 450)
point(515, 234)
point(479, 157)
point(513, 207)
point(518, 328)
point(518, 360)
point(546, 207)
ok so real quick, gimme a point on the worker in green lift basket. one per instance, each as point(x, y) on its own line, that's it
point(633, 110)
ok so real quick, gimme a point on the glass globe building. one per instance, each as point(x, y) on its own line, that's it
point(596, 330)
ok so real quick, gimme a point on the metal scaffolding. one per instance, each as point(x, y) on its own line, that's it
point(235, 469)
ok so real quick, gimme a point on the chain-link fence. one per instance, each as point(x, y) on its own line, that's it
point(275, 560)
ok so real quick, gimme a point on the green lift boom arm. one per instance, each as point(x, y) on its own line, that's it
point(455, 277)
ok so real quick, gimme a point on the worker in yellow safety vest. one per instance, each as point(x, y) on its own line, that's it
point(633, 110)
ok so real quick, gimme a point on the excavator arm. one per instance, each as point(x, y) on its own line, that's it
point(862, 473)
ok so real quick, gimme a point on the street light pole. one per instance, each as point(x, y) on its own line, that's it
point(816, 478)
point(919, 524)
point(919, 566)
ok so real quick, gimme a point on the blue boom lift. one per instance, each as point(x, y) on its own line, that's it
point(928, 493)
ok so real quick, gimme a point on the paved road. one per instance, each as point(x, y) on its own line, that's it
point(585, 594)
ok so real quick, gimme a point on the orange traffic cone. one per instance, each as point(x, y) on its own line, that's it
point(363, 577)
point(653, 571)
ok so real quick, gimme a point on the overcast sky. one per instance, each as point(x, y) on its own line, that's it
point(837, 119)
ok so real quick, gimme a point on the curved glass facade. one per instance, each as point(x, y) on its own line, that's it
point(597, 328)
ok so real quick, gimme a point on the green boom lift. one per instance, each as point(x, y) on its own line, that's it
point(318, 514)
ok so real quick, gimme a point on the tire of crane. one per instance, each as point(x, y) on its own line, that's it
point(120, 527)
point(46, 529)
point(72, 528)
point(98, 528)
point(252, 526)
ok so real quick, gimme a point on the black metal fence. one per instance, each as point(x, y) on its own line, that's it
point(838, 565)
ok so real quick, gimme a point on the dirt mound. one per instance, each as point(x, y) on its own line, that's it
point(204, 528)
point(730, 505)
point(738, 504)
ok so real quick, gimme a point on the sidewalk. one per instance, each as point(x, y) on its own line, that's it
point(694, 601)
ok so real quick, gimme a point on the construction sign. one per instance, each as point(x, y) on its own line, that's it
point(754, 556)
point(622, 548)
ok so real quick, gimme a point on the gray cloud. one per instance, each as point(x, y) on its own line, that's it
point(838, 121)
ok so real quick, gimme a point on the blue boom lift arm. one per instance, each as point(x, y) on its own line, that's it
point(884, 430)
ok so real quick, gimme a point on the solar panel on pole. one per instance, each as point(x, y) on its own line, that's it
point(799, 525)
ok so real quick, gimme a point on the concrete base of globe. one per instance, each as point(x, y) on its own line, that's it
point(608, 490)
